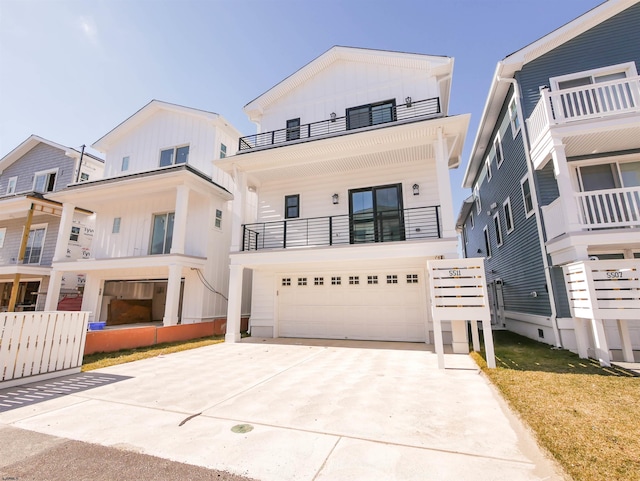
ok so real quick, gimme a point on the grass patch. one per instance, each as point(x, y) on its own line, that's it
point(584, 415)
point(106, 359)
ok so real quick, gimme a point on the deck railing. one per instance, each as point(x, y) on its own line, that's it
point(597, 100)
point(610, 207)
point(407, 224)
point(410, 110)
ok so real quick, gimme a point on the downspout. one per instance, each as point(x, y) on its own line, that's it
point(534, 196)
point(80, 163)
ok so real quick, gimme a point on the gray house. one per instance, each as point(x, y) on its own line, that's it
point(555, 172)
point(29, 221)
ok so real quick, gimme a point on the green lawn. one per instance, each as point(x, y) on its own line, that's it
point(584, 415)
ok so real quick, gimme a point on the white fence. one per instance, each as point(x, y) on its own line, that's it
point(458, 289)
point(40, 345)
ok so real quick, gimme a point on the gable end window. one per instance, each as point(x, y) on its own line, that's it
point(11, 185)
point(293, 129)
point(174, 156)
point(292, 206)
point(44, 181)
point(371, 114)
point(223, 151)
point(526, 196)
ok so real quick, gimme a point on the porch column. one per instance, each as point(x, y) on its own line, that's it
point(92, 296)
point(582, 337)
point(234, 306)
point(447, 216)
point(475, 336)
point(238, 207)
point(438, 343)
point(64, 231)
point(565, 187)
point(180, 219)
point(173, 295)
point(53, 291)
point(489, 350)
point(459, 339)
point(600, 339)
point(625, 339)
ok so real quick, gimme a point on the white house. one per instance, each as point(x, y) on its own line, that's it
point(163, 219)
point(349, 174)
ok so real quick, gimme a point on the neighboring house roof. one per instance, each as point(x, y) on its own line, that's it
point(507, 68)
point(440, 66)
point(467, 204)
point(34, 140)
point(103, 143)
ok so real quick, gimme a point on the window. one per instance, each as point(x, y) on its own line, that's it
point(476, 196)
point(354, 280)
point(487, 164)
point(609, 176)
point(471, 221)
point(35, 243)
point(526, 196)
point(292, 206)
point(293, 129)
point(464, 235)
point(223, 151)
point(376, 215)
point(3, 234)
point(336, 281)
point(513, 117)
point(392, 279)
point(286, 281)
point(84, 177)
point(318, 281)
point(487, 245)
point(595, 76)
point(75, 234)
point(11, 185)
point(497, 146)
point(162, 233)
point(44, 181)
point(174, 155)
point(125, 164)
point(412, 278)
point(116, 226)
point(372, 279)
point(302, 281)
point(508, 216)
point(496, 225)
point(371, 114)
point(218, 221)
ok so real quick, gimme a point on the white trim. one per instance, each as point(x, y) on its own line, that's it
point(524, 200)
point(507, 201)
point(45, 172)
point(628, 68)
point(487, 164)
point(514, 131)
point(12, 182)
point(536, 319)
point(499, 238)
point(487, 241)
point(175, 154)
point(497, 147)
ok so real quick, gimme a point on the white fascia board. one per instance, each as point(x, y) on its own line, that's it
point(25, 147)
point(113, 264)
point(25, 270)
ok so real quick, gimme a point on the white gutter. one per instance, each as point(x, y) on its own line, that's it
point(534, 198)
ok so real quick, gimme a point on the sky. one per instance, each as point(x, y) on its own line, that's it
point(71, 70)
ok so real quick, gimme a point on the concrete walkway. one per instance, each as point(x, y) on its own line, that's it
point(294, 410)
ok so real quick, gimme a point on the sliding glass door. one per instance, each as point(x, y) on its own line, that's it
point(376, 214)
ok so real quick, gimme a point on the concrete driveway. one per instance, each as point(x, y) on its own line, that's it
point(298, 410)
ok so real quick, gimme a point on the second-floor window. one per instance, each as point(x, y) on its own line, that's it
point(35, 243)
point(371, 114)
point(162, 233)
point(292, 206)
point(174, 156)
point(44, 181)
point(293, 129)
point(125, 163)
point(223, 151)
point(11, 185)
point(526, 196)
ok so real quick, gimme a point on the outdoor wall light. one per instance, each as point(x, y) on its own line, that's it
point(333, 116)
point(416, 189)
point(335, 198)
point(534, 294)
point(408, 101)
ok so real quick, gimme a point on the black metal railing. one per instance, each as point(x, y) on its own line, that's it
point(421, 108)
point(386, 226)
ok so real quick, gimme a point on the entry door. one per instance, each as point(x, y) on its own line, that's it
point(376, 214)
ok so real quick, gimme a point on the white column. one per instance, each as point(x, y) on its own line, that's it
point(53, 291)
point(92, 296)
point(447, 216)
point(180, 220)
point(64, 231)
point(600, 339)
point(565, 187)
point(489, 351)
point(582, 337)
point(475, 336)
point(459, 338)
point(627, 350)
point(438, 343)
point(238, 208)
point(173, 295)
point(234, 306)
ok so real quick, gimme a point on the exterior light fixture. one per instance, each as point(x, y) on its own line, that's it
point(416, 189)
point(333, 116)
point(335, 198)
point(408, 101)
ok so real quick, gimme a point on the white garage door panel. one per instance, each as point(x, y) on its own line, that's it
point(386, 312)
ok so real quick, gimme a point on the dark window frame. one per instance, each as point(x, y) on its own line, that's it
point(287, 215)
point(371, 120)
point(293, 129)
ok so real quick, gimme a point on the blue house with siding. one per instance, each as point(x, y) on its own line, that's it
point(555, 170)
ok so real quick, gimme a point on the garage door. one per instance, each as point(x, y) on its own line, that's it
point(381, 306)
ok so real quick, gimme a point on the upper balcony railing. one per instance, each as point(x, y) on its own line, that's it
point(335, 125)
point(592, 101)
point(385, 226)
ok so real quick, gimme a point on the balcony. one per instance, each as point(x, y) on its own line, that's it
point(422, 109)
point(409, 224)
point(595, 101)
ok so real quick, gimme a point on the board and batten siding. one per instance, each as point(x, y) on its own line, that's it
point(614, 41)
point(41, 157)
point(343, 85)
point(518, 261)
point(316, 193)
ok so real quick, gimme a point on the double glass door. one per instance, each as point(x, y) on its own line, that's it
point(375, 214)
